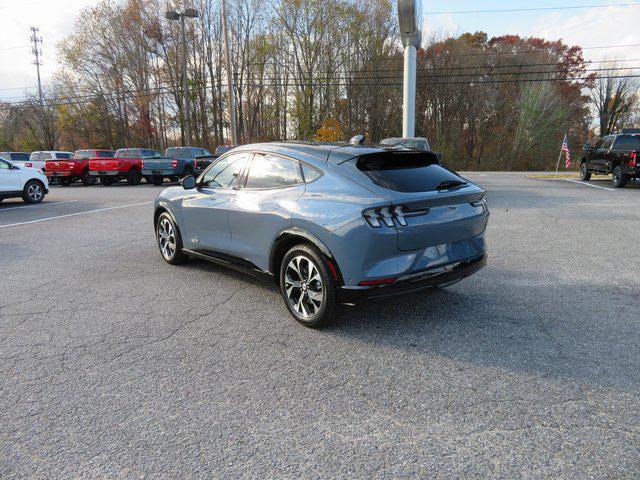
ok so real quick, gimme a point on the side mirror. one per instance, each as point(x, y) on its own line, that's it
point(587, 147)
point(357, 141)
point(188, 183)
point(440, 157)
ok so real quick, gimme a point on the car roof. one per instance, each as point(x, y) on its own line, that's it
point(335, 153)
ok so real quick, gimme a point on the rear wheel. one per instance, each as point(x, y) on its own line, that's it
point(33, 192)
point(134, 177)
point(88, 180)
point(619, 178)
point(585, 175)
point(169, 240)
point(308, 289)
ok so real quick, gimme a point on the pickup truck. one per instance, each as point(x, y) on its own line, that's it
point(618, 155)
point(177, 162)
point(68, 171)
point(126, 164)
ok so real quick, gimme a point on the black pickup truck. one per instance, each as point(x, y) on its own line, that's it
point(618, 155)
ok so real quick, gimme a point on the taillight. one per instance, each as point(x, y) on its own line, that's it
point(387, 215)
point(28, 165)
point(142, 163)
point(195, 164)
point(632, 162)
point(71, 165)
point(174, 163)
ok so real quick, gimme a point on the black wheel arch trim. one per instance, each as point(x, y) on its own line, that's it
point(309, 237)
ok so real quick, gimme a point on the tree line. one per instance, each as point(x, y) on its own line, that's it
point(315, 70)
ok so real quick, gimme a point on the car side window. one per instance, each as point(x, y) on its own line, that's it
point(225, 172)
point(4, 165)
point(626, 143)
point(608, 141)
point(271, 171)
point(311, 174)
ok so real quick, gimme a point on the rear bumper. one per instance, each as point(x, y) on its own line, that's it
point(433, 277)
point(160, 173)
point(59, 174)
point(107, 173)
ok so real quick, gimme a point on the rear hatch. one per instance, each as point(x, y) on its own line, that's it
point(159, 163)
point(105, 164)
point(428, 205)
point(59, 166)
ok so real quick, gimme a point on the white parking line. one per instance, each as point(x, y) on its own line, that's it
point(588, 184)
point(74, 214)
point(9, 208)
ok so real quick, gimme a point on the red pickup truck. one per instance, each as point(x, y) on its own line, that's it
point(126, 164)
point(76, 168)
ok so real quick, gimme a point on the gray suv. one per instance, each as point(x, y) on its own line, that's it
point(329, 224)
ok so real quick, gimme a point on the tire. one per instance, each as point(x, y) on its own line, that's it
point(134, 177)
point(620, 179)
point(106, 181)
point(88, 180)
point(585, 174)
point(169, 240)
point(304, 270)
point(157, 181)
point(33, 192)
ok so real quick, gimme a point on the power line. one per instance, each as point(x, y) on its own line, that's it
point(160, 90)
point(14, 48)
point(532, 9)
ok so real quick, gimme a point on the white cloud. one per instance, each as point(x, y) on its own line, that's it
point(592, 28)
point(55, 19)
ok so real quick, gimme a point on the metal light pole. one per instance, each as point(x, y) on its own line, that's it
point(232, 103)
point(410, 19)
point(173, 15)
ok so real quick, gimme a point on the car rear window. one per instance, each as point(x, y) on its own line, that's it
point(105, 154)
point(83, 154)
point(178, 152)
point(20, 157)
point(407, 171)
point(627, 143)
point(63, 156)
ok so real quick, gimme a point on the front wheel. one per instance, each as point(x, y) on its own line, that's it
point(169, 240)
point(585, 175)
point(33, 192)
point(619, 178)
point(308, 289)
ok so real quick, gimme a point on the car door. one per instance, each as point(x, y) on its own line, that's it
point(264, 206)
point(10, 179)
point(204, 209)
point(602, 154)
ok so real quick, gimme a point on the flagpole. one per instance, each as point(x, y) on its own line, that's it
point(560, 156)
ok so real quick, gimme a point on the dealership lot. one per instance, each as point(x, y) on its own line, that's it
point(115, 364)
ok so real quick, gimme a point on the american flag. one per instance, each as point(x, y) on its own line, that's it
point(567, 152)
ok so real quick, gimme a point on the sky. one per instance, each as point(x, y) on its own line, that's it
point(587, 27)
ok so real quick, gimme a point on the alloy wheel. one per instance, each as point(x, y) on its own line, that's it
point(303, 286)
point(166, 238)
point(34, 192)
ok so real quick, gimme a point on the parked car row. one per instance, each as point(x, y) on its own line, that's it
point(108, 166)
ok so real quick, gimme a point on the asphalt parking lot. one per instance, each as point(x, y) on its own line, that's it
point(114, 364)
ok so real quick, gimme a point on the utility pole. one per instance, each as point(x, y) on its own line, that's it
point(410, 19)
point(37, 52)
point(185, 87)
point(227, 48)
point(186, 111)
